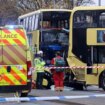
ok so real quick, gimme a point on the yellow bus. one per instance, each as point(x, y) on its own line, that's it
point(48, 30)
point(87, 47)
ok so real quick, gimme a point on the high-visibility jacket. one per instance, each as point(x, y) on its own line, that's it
point(39, 64)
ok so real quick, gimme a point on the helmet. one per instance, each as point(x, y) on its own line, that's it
point(40, 52)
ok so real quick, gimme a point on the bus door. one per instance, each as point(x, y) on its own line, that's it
point(99, 56)
point(89, 60)
point(93, 60)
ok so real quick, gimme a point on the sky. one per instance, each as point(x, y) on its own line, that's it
point(102, 2)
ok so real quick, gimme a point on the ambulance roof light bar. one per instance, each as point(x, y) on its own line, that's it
point(13, 26)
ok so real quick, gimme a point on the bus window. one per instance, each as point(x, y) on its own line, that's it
point(85, 19)
point(53, 26)
point(48, 37)
point(55, 36)
point(82, 21)
point(100, 36)
point(63, 38)
point(55, 19)
point(102, 19)
point(99, 54)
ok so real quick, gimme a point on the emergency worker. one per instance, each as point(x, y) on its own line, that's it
point(58, 77)
point(39, 65)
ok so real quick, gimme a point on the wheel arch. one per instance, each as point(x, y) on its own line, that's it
point(100, 76)
point(48, 77)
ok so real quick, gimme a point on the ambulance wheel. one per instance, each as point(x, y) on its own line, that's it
point(20, 94)
point(24, 94)
point(103, 81)
point(48, 77)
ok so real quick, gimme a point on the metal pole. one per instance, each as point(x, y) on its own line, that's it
point(41, 3)
point(54, 3)
point(72, 3)
point(99, 2)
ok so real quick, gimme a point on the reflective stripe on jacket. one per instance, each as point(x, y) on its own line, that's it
point(39, 64)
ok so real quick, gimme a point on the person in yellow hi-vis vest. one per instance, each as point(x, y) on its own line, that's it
point(39, 66)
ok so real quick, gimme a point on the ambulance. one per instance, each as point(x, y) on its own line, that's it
point(15, 60)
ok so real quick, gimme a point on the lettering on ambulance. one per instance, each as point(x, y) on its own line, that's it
point(9, 36)
point(13, 37)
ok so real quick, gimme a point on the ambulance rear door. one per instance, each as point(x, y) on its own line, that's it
point(1, 61)
point(13, 56)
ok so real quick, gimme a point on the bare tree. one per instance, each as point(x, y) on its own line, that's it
point(84, 2)
point(11, 9)
point(8, 11)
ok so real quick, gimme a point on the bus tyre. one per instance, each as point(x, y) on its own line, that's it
point(103, 81)
point(78, 87)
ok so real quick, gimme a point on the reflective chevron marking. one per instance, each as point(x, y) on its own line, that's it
point(15, 76)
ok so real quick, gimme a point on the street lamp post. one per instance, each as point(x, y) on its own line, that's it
point(99, 2)
point(72, 3)
point(54, 3)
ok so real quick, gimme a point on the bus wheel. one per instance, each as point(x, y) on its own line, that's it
point(20, 94)
point(103, 81)
point(78, 86)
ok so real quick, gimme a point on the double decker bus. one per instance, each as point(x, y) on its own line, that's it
point(87, 47)
point(47, 30)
